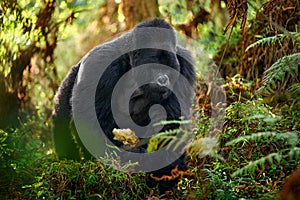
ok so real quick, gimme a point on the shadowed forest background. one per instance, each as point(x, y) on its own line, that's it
point(255, 45)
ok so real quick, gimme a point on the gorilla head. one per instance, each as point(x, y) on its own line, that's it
point(149, 62)
point(160, 80)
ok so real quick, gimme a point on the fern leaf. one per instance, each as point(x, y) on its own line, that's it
point(250, 168)
point(172, 122)
point(294, 90)
point(268, 40)
point(287, 64)
point(290, 137)
point(254, 136)
point(273, 39)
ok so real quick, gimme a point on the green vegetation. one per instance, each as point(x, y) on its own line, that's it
point(89, 180)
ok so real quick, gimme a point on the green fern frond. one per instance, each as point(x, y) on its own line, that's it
point(161, 139)
point(287, 64)
point(254, 136)
point(252, 166)
point(181, 122)
point(290, 137)
point(294, 90)
point(273, 39)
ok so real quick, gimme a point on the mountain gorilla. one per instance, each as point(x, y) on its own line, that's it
point(157, 91)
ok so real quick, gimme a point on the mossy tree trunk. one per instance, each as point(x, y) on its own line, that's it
point(17, 59)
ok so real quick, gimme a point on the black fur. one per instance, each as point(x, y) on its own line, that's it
point(67, 142)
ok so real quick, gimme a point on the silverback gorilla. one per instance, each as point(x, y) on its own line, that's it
point(158, 90)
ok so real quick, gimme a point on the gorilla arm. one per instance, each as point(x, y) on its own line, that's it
point(65, 145)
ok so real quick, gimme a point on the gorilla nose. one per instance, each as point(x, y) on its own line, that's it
point(163, 80)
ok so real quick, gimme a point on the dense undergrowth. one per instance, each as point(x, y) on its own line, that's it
point(259, 148)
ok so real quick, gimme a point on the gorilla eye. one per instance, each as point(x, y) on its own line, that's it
point(163, 80)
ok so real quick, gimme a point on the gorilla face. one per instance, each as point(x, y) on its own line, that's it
point(160, 82)
point(159, 78)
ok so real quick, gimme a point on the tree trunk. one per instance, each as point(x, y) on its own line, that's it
point(137, 11)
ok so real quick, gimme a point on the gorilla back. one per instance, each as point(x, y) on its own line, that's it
point(138, 58)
